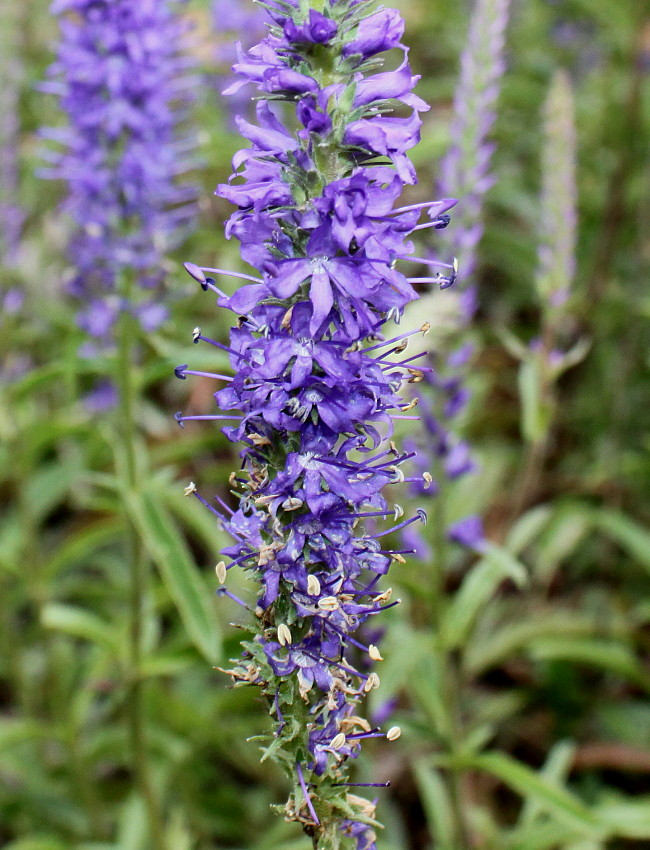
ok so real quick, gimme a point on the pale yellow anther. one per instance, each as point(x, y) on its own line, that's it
point(410, 405)
point(266, 555)
point(371, 683)
point(428, 480)
point(258, 439)
point(284, 635)
point(328, 603)
point(191, 488)
point(393, 733)
point(313, 586)
point(286, 319)
point(196, 333)
point(93, 229)
point(398, 475)
point(399, 512)
point(338, 741)
point(416, 376)
point(220, 570)
point(395, 556)
point(426, 327)
point(292, 504)
point(265, 500)
point(374, 653)
point(385, 596)
point(401, 345)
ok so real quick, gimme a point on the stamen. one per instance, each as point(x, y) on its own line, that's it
point(182, 372)
point(305, 794)
point(427, 205)
point(284, 635)
point(222, 591)
point(421, 516)
point(197, 337)
point(207, 416)
point(375, 733)
point(195, 271)
point(361, 784)
point(426, 262)
point(231, 274)
point(226, 507)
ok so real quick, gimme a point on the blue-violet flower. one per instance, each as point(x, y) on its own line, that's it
point(121, 79)
point(317, 386)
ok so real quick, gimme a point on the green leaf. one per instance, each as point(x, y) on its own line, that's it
point(566, 529)
point(84, 542)
point(514, 638)
point(545, 835)
point(37, 843)
point(48, 486)
point(16, 731)
point(132, 829)
point(595, 652)
point(79, 623)
point(437, 805)
point(551, 798)
point(556, 770)
point(478, 586)
point(626, 818)
point(527, 528)
point(179, 572)
point(627, 533)
point(164, 665)
point(535, 411)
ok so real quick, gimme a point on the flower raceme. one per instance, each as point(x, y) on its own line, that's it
point(120, 78)
point(317, 383)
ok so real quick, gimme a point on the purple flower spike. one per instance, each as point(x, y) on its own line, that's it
point(12, 217)
point(467, 532)
point(319, 379)
point(122, 82)
point(465, 173)
point(465, 170)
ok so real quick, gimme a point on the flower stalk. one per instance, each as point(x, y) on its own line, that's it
point(318, 383)
point(122, 80)
point(550, 354)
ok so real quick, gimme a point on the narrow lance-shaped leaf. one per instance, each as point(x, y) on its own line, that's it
point(178, 570)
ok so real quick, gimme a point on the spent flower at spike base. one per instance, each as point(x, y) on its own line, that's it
point(122, 81)
point(318, 383)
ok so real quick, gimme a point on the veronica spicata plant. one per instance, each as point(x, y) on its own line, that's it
point(120, 78)
point(464, 173)
point(317, 382)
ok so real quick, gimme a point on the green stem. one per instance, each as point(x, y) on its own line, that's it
point(84, 786)
point(126, 437)
point(451, 681)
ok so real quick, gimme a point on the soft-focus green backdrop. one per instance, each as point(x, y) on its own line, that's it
point(555, 671)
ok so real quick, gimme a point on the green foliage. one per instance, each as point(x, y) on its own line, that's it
point(530, 701)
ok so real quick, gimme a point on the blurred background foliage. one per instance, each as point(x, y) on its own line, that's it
point(548, 631)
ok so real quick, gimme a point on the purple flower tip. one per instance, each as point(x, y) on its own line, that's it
point(467, 532)
point(195, 272)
